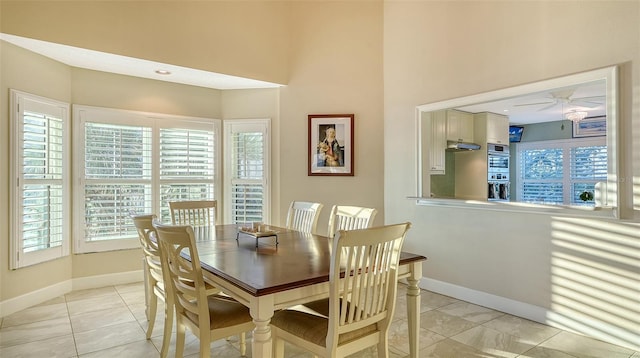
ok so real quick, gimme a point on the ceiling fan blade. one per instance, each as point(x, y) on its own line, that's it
point(548, 107)
point(534, 104)
point(587, 104)
point(591, 98)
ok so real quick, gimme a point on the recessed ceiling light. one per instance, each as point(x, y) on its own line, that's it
point(163, 72)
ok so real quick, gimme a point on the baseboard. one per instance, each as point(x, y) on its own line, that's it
point(119, 278)
point(33, 298)
point(516, 308)
point(607, 331)
point(36, 297)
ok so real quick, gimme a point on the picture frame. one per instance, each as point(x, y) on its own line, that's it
point(330, 142)
point(590, 127)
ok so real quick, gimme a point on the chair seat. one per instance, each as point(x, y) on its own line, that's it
point(314, 327)
point(224, 312)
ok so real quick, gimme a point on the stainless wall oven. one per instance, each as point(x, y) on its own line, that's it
point(497, 172)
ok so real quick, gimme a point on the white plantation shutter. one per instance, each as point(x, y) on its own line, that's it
point(588, 167)
point(187, 166)
point(117, 178)
point(40, 191)
point(137, 162)
point(557, 172)
point(542, 176)
point(247, 164)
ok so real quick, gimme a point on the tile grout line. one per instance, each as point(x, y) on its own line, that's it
point(73, 335)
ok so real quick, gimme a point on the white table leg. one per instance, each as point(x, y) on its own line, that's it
point(262, 310)
point(413, 308)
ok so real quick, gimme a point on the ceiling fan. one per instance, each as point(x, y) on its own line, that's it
point(566, 99)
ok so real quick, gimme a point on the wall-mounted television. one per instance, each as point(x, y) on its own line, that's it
point(515, 134)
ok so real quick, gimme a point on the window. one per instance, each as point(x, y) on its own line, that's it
point(187, 166)
point(39, 179)
point(246, 171)
point(133, 161)
point(558, 172)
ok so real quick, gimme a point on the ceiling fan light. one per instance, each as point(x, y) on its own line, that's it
point(576, 116)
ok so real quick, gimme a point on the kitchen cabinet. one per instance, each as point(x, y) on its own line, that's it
point(438, 142)
point(495, 127)
point(459, 126)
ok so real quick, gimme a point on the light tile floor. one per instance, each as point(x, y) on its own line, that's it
point(110, 322)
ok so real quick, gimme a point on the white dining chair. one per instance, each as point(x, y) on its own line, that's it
point(344, 217)
point(360, 306)
point(195, 213)
point(208, 317)
point(303, 216)
point(153, 280)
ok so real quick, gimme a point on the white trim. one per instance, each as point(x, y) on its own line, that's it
point(33, 298)
point(246, 125)
point(610, 75)
point(44, 294)
point(502, 304)
point(111, 279)
point(18, 104)
point(155, 121)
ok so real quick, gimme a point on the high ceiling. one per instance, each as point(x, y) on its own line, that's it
point(106, 62)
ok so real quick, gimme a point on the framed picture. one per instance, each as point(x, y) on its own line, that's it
point(590, 127)
point(331, 144)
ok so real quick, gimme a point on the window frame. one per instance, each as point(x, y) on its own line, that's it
point(246, 125)
point(18, 258)
point(155, 121)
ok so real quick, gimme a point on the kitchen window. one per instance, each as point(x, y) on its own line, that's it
point(560, 172)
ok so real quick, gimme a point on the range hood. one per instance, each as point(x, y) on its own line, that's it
point(461, 146)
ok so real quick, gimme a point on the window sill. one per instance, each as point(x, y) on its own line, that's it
point(564, 210)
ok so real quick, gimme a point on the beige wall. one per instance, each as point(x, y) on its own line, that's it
point(439, 50)
point(94, 88)
point(260, 104)
point(241, 38)
point(379, 60)
point(28, 72)
point(21, 70)
point(336, 67)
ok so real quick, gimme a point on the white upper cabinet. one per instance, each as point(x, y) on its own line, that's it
point(459, 126)
point(496, 127)
point(438, 142)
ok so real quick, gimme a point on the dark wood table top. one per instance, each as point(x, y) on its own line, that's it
point(298, 260)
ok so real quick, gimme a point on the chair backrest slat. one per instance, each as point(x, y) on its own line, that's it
point(303, 216)
point(195, 213)
point(344, 217)
point(366, 292)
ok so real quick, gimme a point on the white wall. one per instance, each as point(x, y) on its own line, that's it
point(534, 264)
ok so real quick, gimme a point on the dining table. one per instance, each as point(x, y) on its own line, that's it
point(285, 268)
